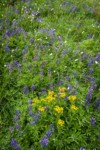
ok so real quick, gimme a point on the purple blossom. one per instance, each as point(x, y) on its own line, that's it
point(33, 13)
point(90, 36)
point(39, 19)
point(29, 101)
point(31, 114)
point(16, 117)
point(16, 63)
point(15, 144)
point(29, 108)
point(7, 49)
point(32, 123)
point(16, 11)
point(66, 98)
point(36, 117)
point(65, 4)
point(97, 104)
point(52, 127)
point(25, 90)
point(32, 40)
point(49, 133)
point(44, 142)
point(51, 32)
point(73, 8)
point(33, 87)
point(91, 70)
point(17, 126)
point(93, 121)
point(82, 148)
point(10, 66)
point(97, 58)
point(90, 62)
point(8, 33)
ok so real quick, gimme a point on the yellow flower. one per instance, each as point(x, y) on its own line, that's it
point(62, 89)
point(72, 97)
point(58, 109)
point(51, 93)
point(73, 107)
point(43, 100)
point(60, 122)
point(62, 95)
point(35, 101)
point(41, 108)
point(50, 98)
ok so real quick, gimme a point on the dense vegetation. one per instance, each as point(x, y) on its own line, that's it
point(50, 75)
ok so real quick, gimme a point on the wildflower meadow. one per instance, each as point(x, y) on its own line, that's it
point(49, 75)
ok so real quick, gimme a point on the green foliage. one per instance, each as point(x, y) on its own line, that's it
point(47, 46)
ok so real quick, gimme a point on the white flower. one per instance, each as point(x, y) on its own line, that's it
point(76, 59)
point(96, 62)
point(50, 54)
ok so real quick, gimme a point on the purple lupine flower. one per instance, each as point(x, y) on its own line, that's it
point(10, 66)
point(16, 62)
point(15, 144)
point(97, 104)
point(93, 121)
point(29, 101)
point(39, 19)
point(65, 4)
point(92, 79)
point(31, 114)
point(32, 123)
point(25, 90)
point(7, 33)
point(82, 148)
point(36, 117)
point(16, 117)
point(90, 36)
point(51, 32)
point(91, 70)
point(24, 51)
point(69, 87)
point(11, 129)
point(97, 58)
point(49, 133)
point(33, 87)
point(90, 62)
point(44, 142)
point(73, 8)
point(29, 108)
point(18, 112)
point(17, 126)
point(16, 11)
point(66, 98)
point(7, 49)
point(33, 13)
point(52, 127)
point(32, 40)
point(63, 52)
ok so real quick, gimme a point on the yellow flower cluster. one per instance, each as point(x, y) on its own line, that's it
point(35, 101)
point(60, 122)
point(41, 108)
point(73, 107)
point(72, 97)
point(62, 89)
point(62, 93)
point(51, 96)
point(58, 109)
